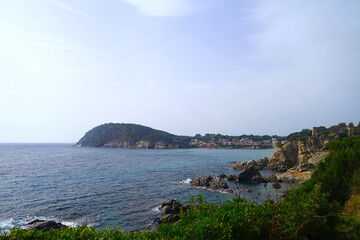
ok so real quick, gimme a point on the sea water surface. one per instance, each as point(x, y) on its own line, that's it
point(108, 186)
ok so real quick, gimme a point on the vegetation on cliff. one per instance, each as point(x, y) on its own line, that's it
point(302, 135)
point(137, 136)
point(319, 209)
point(128, 135)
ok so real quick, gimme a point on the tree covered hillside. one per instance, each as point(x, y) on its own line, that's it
point(127, 135)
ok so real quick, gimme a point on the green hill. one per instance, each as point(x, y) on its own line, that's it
point(130, 136)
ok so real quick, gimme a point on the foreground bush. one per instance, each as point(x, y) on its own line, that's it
point(313, 211)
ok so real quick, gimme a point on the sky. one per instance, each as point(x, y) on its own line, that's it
point(183, 66)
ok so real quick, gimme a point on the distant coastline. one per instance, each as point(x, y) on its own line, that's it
point(124, 135)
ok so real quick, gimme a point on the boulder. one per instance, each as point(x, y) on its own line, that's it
point(176, 206)
point(247, 164)
point(263, 162)
point(170, 211)
point(43, 225)
point(231, 177)
point(222, 176)
point(167, 209)
point(171, 217)
point(218, 183)
point(247, 174)
point(257, 179)
point(269, 178)
point(259, 164)
point(201, 182)
point(209, 182)
point(168, 202)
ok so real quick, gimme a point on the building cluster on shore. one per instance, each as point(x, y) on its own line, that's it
point(235, 143)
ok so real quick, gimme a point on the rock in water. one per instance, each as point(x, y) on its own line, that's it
point(209, 182)
point(248, 174)
point(231, 178)
point(43, 225)
point(170, 211)
point(259, 164)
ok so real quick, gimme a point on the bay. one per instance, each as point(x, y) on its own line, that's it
point(109, 186)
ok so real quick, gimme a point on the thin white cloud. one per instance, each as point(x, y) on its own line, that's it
point(31, 44)
point(69, 8)
point(163, 8)
point(59, 43)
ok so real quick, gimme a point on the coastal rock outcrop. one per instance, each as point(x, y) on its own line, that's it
point(249, 175)
point(293, 176)
point(170, 211)
point(305, 151)
point(44, 225)
point(269, 178)
point(297, 153)
point(298, 158)
point(259, 164)
point(217, 183)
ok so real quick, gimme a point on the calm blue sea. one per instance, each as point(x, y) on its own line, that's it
point(106, 186)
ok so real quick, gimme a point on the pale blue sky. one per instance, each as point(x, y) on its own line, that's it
point(183, 66)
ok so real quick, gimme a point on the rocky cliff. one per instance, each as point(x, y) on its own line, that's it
point(305, 153)
point(302, 155)
point(298, 158)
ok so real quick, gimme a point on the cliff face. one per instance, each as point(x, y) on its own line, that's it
point(297, 154)
point(130, 136)
point(299, 158)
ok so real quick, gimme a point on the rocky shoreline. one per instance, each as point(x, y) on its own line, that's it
point(44, 225)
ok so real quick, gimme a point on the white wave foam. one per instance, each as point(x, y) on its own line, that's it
point(155, 209)
point(186, 181)
point(225, 191)
point(70, 224)
point(8, 224)
point(11, 223)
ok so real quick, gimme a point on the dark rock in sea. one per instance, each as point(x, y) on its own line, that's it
point(248, 174)
point(171, 218)
point(222, 176)
point(167, 209)
point(231, 177)
point(210, 183)
point(170, 211)
point(43, 225)
point(218, 183)
point(201, 182)
point(35, 221)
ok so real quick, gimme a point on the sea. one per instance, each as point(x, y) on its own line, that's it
point(102, 187)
